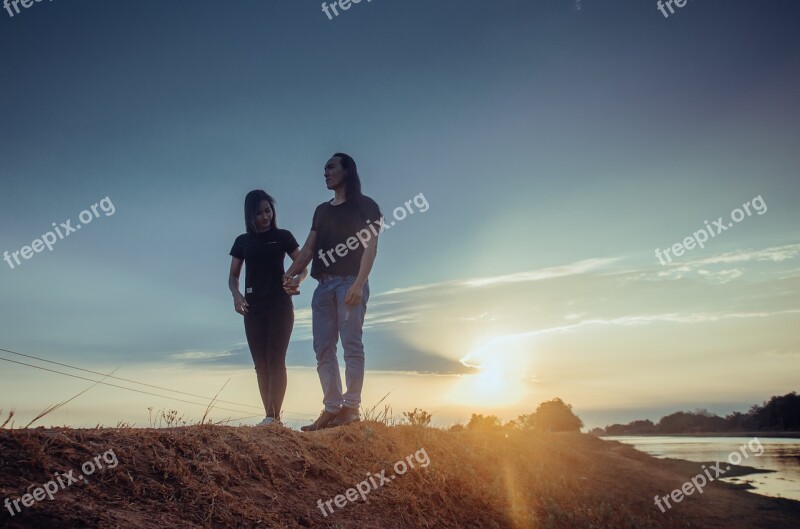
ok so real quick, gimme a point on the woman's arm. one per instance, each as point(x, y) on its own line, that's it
point(292, 287)
point(239, 303)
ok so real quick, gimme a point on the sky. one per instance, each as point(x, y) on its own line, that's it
point(552, 147)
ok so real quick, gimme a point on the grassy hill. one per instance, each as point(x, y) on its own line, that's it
point(273, 477)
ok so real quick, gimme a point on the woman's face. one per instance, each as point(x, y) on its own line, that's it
point(263, 217)
point(334, 173)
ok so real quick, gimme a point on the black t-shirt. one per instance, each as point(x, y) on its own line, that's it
point(335, 226)
point(263, 254)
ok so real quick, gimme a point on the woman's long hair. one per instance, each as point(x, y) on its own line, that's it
point(352, 182)
point(251, 203)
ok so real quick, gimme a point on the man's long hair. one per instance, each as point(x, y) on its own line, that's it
point(352, 182)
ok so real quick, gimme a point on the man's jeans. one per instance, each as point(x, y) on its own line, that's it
point(332, 319)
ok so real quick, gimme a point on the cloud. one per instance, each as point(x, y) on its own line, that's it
point(717, 269)
point(580, 267)
point(775, 254)
point(238, 356)
point(201, 355)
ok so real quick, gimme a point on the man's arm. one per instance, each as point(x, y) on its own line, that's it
point(353, 296)
point(293, 286)
point(303, 257)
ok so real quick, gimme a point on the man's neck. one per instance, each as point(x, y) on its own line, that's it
point(340, 196)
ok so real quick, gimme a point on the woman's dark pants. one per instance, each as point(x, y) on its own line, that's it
point(268, 326)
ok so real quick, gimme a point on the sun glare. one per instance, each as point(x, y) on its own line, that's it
point(500, 381)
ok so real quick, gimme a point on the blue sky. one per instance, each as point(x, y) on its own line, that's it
point(556, 143)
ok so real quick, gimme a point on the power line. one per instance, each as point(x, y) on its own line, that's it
point(114, 385)
point(127, 380)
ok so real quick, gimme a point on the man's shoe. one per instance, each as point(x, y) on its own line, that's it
point(346, 415)
point(269, 420)
point(322, 422)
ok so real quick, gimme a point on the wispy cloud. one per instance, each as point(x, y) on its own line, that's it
point(717, 268)
point(498, 343)
point(774, 254)
point(580, 267)
point(200, 355)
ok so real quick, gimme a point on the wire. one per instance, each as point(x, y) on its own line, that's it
point(135, 382)
point(114, 385)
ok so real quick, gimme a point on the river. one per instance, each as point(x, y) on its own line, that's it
point(779, 454)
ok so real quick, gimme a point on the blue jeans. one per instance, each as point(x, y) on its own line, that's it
point(331, 319)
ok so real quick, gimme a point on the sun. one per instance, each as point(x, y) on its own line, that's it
point(503, 368)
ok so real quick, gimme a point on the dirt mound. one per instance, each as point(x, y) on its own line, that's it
point(361, 476)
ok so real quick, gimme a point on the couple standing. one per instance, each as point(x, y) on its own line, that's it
point(339, 303)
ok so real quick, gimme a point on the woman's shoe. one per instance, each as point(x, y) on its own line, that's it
point(269, 420)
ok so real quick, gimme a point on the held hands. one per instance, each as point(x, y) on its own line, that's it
point(291, 285)
point(240, 304)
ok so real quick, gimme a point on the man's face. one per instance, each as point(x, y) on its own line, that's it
point(334, 173)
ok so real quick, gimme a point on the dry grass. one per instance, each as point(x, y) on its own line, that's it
point(218, 476)
point(7, 420)
point(54, 407)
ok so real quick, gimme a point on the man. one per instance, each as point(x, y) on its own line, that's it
point(341, 247)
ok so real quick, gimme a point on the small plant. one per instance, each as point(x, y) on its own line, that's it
point(171, 418)
point(384, 416)
point(418, 417)
point(7, 419)
point(168, 419)
point(211, 405)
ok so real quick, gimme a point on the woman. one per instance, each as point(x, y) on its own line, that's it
point(267, 304)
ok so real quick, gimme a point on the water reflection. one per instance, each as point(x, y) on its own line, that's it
point(780, 455)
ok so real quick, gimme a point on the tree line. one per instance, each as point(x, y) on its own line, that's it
point(778, 414)
point(551, 416)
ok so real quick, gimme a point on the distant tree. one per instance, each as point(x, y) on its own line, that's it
point(418, 417)
point(640, 427)
point(456, 428)
point(479, 422)
point(737, 421)
point(691, 422)
point(632, 428)
point(524, 422)
point(678, 422)
point(597, 432)
point(617, 429)
point(554, 416)
point(778, 414)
